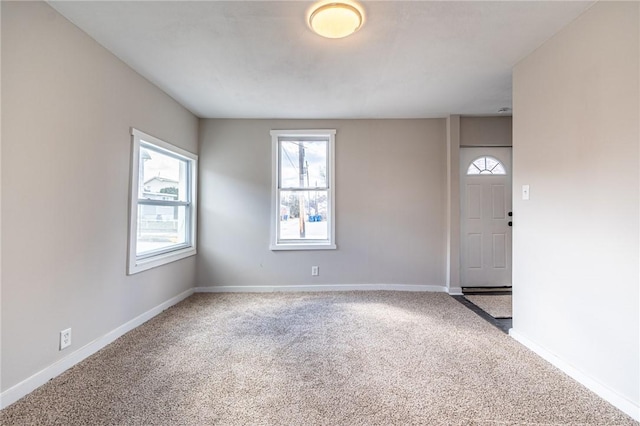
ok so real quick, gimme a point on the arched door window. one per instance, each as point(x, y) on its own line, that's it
point(486, 165)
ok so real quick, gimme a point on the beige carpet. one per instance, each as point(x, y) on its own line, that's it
point(498, 306)
point(374, 358)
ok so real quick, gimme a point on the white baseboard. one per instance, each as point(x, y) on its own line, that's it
point(623, 404)
point(321, 287)
point(28, 385)
point(455, 291)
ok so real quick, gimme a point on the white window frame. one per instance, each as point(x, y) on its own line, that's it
point(276, 243)
point(170, 254)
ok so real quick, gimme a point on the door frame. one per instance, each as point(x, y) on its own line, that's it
point(452, 203)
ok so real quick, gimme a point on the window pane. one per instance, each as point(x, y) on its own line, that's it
point(160, 227)
point(303, 164)
point(498, 170)
point(162, 176)
point(473, 170)
point(490, 162)
point(312, 223)
point(486, 166)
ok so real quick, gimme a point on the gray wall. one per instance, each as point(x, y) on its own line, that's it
point(390, 211)
point(485, 131)
point(67, 105)
point(576, 245)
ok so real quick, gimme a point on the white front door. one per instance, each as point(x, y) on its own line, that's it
point(485, 208)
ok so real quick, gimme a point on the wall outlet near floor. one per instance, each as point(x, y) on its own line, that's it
point(315, 271)
point(65, 338)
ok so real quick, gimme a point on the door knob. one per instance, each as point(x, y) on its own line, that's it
point(510, 223)
point(510, 214)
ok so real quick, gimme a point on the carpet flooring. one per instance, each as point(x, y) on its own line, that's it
point(355, 358)
point(495, 305)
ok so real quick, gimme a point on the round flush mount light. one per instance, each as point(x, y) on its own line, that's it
point(336, 19)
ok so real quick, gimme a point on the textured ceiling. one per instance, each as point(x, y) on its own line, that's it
point(258, 59)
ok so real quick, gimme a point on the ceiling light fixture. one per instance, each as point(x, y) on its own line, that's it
point(336, 19)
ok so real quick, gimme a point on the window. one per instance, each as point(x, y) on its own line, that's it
point(302, 214)
point(486, 166)
point(162, 224)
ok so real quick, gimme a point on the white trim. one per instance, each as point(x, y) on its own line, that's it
point(603, 391)
point(139, 265)
point(308, 246)
point(275, 244)
point(303, 133)
point(321, 287)
point(135, 264)
point(171, 149)
point(28, 385)
point(455, 291)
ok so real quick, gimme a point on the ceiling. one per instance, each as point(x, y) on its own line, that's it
point(242, 59)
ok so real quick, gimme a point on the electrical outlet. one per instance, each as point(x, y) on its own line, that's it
point(65, 338)
point(315, 271)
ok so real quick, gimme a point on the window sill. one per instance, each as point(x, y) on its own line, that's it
point(305, 246)
point(139, 265)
